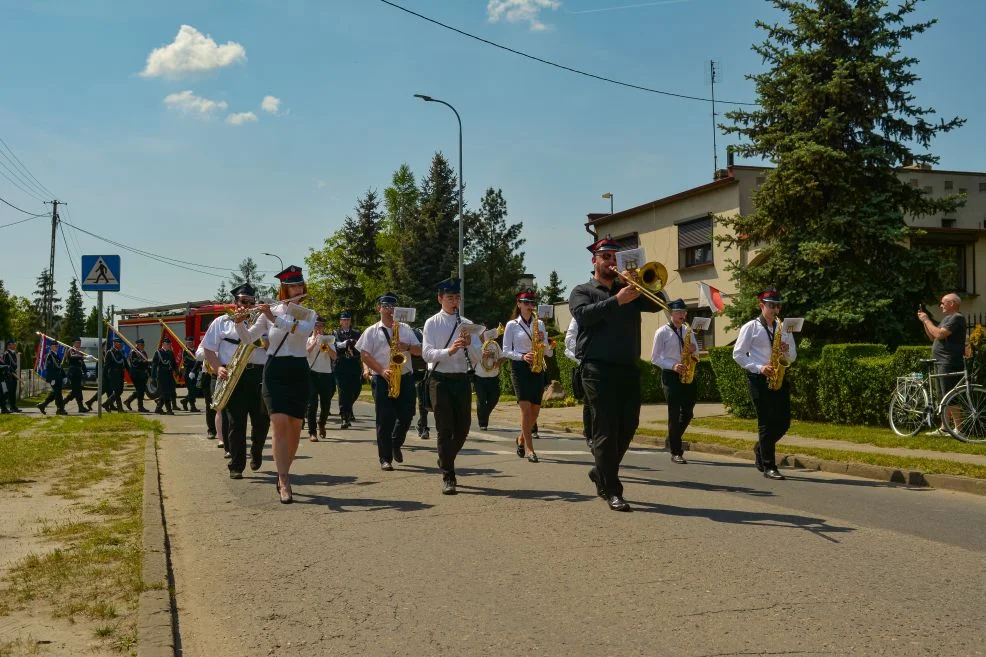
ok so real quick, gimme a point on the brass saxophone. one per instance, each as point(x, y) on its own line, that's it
point(397, 360)
point(491, 350)
point(688, 357)
point(235, 368)
point(537, 345)
point(778, 361)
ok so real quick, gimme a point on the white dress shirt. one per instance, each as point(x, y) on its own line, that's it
point(223, 327)
point(754, 344)
point(320, 360)
point(571, 338)
point(517, 339)
point(377, 344)
point(288, 333)
point(436, 333)
point(666, 351)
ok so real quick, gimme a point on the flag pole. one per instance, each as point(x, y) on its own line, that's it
point(99, 365)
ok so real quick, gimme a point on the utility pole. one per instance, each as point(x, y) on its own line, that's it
point(715, 154)
point(49, 310)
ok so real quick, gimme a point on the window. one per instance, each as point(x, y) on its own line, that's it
point(928, 189)
point(982, 187)
point(961, 254)
point(695, 242)
point(957, 252)
point(948, 223)
point(630, 241)
point(963, 190)
point(948, 185)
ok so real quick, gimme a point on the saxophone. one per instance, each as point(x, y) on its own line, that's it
point(491, 350)
point(777, 359)
point(235, 368)
point(688, 357)
point(397, 360)
point(537, 345)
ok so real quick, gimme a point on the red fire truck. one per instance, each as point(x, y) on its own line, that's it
point(187, 320)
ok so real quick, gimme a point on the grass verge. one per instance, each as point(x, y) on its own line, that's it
point(92, 570)
point(863, 435)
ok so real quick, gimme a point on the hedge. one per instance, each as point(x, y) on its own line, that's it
point(844, 383)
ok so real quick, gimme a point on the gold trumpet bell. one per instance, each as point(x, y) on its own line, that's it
point(653, 276)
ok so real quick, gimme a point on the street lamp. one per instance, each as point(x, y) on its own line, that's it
point(278, 259)
point(609, 195)
point(462, 266)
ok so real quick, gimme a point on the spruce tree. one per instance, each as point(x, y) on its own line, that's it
point(496, 261)
point(92, 323)
point(837, 117)
point(554, 291)
point(5, 312)
point(222, 293)
point(45, 286)
point(74, 322)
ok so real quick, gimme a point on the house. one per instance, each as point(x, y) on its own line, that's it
point(679, 231)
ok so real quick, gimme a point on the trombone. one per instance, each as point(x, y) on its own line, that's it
point(649, 280)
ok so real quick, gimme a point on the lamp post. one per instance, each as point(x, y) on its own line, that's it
point(462, 265)
point(278, 259)
point(609, 195)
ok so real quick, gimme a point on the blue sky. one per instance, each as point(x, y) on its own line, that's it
point(85, 109)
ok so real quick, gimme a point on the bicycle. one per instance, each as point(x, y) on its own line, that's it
point(914, 404)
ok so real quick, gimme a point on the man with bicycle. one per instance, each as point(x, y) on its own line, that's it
point(947, 349)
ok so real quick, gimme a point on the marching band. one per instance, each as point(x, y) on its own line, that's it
point(278, 366)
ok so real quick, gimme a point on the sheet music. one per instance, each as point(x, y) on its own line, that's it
point(701, 323)
point(630, 258)
point(405, 315)
point(793, 324)
point(545, 311)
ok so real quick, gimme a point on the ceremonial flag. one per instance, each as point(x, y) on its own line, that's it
point(44, 344)
point(110, 336)
point(709, 297)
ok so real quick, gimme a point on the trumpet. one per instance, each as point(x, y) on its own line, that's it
point(251, 314)
point(649, 280)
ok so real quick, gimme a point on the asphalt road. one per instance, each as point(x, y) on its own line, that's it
point(715, 560)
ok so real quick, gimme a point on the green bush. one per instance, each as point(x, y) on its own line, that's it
point(803, 379)
point(730, 381)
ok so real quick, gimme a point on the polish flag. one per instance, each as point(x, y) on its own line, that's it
point(709, 297)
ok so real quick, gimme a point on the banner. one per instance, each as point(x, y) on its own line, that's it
point(709, 297)
point(44, 344)
point(111, 335)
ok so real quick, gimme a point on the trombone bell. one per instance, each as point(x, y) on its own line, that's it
point(653, 276)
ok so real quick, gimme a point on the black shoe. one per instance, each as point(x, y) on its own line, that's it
point(255, 462)
point(678, 458)
point(534, 435)
point(159, 411)
point(194, 409)
point(15, 409)
point(386, 466)
point(211, 435)
point(4, 411)
point(773, 473)
point(83, 409)
point(128, 405)
point(757, 458)
point(41, 407)
point(227, 455)
point(233, 474)
point(221, 445)
point(520, 450)
point(170, 412)
point(142, 409)
point(398, 455)
point(61, 411)
point(594, 477)
point(448, 487)
point(617, 503)
point(426, 434)
point(184, 404)
point(588, 443)
point(483, 427)
point(532, 457)
point(345, 425)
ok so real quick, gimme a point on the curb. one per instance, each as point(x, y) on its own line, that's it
point(912, 478)
point(155, 629)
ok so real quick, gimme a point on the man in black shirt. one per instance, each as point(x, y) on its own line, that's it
point(947, 348)
point(348, 368)
point(76, 374)
point(608, 314)
point(54, 375)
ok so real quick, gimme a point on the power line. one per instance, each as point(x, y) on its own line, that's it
point(6, 202)
point(561, 66)
point(31, 218)
point(45, 190)
point(19, 185)
point(68, 253)
point(33, 188)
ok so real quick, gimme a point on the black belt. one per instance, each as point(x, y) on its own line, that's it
point(451, 376)
point(253, 366)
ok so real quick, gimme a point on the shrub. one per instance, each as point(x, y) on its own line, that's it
point(730, 380)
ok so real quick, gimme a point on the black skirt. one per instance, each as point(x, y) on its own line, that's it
point(285, 386)
point(528, 386)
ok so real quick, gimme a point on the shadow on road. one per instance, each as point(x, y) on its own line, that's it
point(698, 485)
point(527, 494)
point(817, 526)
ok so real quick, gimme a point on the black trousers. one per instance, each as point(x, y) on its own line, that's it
point(246, 401)
point(349, 380)
point(612, 392)
point(55, 395)
point(75, 390)
point(321, 388)
point(205, 387)
point(191, 390)
point(451, 401)
point(586, 420)
point(166, 391)
point(419, 386)
point(487, 396)
point(12, 391)
point(140, 389)
point(115, 397)
point(681, 408)
point(393, 415)
point(773, 415)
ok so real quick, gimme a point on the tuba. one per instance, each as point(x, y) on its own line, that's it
point(491, 350)
point(235, 368)
point(537, 345)
point(688, 357)
point(777, 359)
point(397, 360)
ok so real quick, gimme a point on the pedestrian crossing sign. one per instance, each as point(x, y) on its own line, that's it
point(102, 273)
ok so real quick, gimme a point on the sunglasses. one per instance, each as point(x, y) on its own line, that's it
point(771, 304)
point(527, 303)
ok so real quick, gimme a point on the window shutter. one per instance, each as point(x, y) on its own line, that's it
point(695, 233)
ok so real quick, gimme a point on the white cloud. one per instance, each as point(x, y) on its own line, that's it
point(239, 118)
point(515, 11)
point(321, 184)
point(191, 52)
point(188, 103)
point(271, 105)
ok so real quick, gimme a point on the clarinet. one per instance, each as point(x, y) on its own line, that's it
point(465, 349)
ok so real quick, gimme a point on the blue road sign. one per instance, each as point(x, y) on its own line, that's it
point(101, 273)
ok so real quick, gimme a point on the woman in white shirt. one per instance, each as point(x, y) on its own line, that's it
point(528, 385)
point(285, 382)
